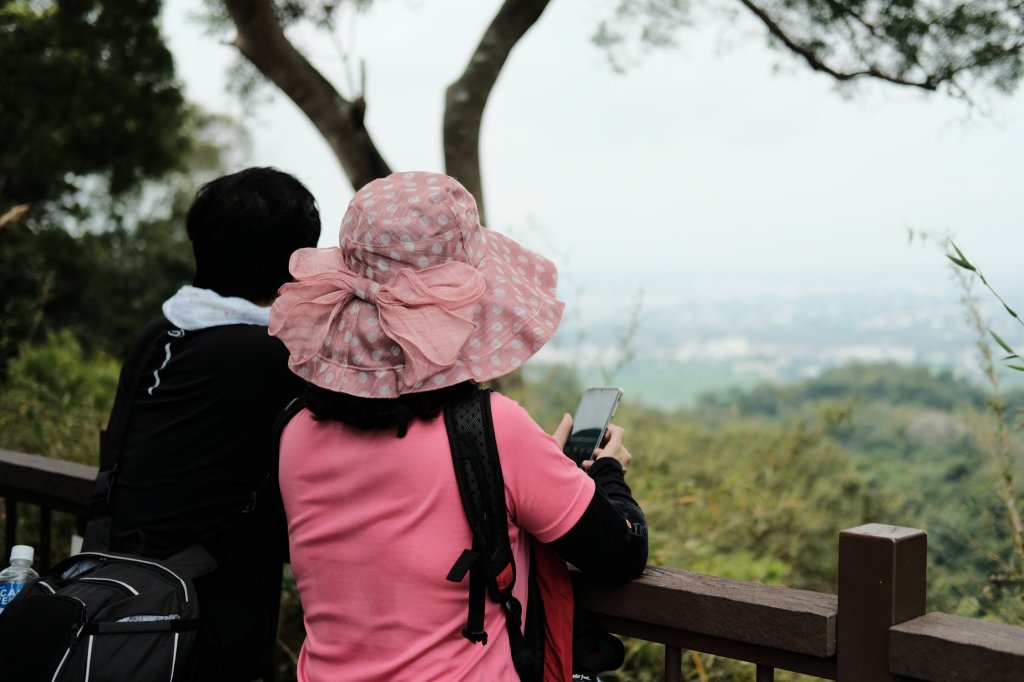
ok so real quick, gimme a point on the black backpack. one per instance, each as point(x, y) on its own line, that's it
point(109, 616)
point(490, 562)
point(106, 617)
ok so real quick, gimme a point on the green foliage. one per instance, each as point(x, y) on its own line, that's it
point(103, 147)
point(746, 499)
point(887, 383)
point(102, 287)
point(291, 631)
point(923, 442)
point(756, 485)
point(998, 441)
point(732, 495)
point(56, 398)
point(1012, 360)
point(89, 90)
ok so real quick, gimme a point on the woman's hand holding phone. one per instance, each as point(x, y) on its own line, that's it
point(613, 445)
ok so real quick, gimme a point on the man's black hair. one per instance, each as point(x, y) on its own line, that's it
point(244, 228)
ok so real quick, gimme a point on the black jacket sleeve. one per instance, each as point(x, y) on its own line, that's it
point(609, 542)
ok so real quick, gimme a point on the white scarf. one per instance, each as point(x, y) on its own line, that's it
point(192, 308)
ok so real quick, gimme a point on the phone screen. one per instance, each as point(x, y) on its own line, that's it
point(591, 421)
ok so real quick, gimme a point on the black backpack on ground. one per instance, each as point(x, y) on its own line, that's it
point(105, 616)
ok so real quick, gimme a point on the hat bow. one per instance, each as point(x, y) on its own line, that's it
point(427, 313)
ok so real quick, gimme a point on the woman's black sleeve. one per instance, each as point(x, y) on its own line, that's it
point(609, 542)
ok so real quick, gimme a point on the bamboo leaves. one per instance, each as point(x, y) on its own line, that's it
point(960, 260)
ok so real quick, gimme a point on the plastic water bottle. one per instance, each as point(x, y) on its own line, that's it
point(17, 575)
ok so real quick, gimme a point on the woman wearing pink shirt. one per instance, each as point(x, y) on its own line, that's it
point(416, 306)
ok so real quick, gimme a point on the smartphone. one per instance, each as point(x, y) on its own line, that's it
point(590, 422)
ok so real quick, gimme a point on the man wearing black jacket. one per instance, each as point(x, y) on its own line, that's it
point(196, 432)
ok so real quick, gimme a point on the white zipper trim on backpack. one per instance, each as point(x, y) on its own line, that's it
point(88, 659)
point(148, 618)
point(60, 665)
point(174, 656)
point(112, 580)
point(47, 586)
point(159, 567)
point(64, 659)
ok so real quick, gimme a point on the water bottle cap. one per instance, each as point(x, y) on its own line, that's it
point(22, 552)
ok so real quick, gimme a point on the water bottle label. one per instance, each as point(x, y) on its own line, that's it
point(8, 591)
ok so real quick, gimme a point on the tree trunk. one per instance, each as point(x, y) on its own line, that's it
point(261, 40)
point(466, 98)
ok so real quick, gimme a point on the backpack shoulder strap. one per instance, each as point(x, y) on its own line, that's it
point(270, 488)
point(295, 406)
point(490, 563)
point(481, 486)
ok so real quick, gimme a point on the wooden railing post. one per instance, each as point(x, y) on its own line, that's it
point(673, 664)
point(10, 528)
point(882, 571)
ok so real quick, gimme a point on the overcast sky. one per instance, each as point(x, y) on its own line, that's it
point(721, 162)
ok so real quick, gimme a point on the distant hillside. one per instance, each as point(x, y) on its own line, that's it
point(928, 444)
point(886, 383)
point(668, 351)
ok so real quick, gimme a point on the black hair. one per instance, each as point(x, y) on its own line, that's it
point(373, 414)
point(244, 228)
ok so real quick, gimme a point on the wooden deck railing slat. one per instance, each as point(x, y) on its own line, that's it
point(940, 646)
point(60, 485)
point(772, 657)
point(797, 621)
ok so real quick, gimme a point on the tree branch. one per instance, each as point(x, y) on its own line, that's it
point(262, 41)
point(930, 82)
point(466, 98)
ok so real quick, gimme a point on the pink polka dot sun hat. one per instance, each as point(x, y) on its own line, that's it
point(417, 296)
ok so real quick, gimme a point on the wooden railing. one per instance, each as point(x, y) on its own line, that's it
point(874, 630)
point(50, 485)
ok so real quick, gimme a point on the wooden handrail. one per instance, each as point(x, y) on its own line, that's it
point(873, 631)
point(939, 646)
point(772, 626)
point(49, 484)
point(63, 486)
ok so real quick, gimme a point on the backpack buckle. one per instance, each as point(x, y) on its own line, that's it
point(513, 610)
point(476, 637)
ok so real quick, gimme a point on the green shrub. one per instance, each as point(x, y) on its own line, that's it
point(56, 398)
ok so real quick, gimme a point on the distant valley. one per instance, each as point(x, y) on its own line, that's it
point(691, 345)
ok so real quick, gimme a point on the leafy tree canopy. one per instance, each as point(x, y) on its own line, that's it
point(928, 44)
point(89, 90)
point(56, 398)
point(102, 285)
